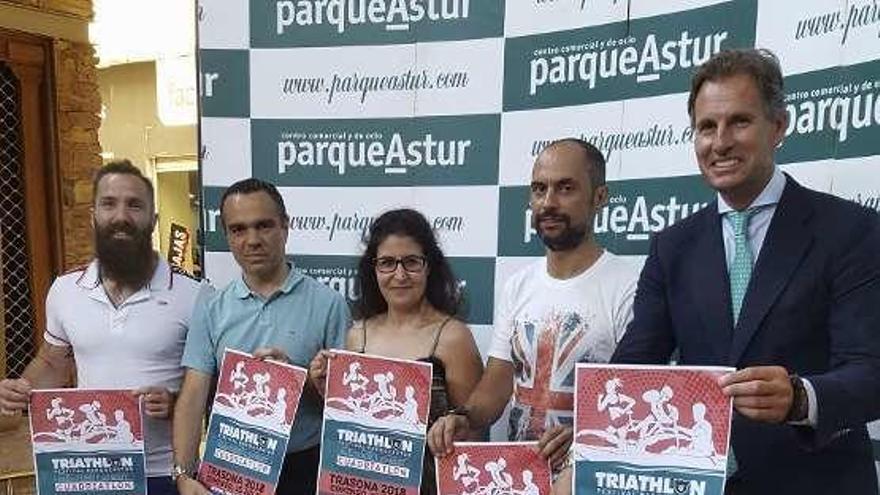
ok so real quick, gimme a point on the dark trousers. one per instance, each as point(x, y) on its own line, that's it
point(299, 475)
point(160, 485)
point(734, 486)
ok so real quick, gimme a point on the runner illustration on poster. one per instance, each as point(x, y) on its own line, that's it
point(375, 424)
point(493, 468)
point(88, 441)
point(254, 408)
point(638, 427)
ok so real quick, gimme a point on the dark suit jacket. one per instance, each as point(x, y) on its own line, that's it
point(812, 306)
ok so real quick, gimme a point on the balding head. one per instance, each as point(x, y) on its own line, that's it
point(574, 149)
point(567, 188)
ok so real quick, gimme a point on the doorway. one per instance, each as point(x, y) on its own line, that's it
point(30, 240)
point(177, 199)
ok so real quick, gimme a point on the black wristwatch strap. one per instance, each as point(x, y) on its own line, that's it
point(181, 471)
point(460, 411)
point(800, 404)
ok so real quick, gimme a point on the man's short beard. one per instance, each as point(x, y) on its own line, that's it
point(570, 237)
point(128, 261)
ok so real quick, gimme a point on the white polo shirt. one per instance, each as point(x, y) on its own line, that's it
point(139, 343)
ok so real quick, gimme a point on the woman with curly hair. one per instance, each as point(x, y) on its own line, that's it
point(407, 309)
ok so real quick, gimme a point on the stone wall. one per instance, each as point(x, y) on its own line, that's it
point(78, 8)
point(78, 105)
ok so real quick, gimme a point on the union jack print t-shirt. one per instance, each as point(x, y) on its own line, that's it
point(543, 326)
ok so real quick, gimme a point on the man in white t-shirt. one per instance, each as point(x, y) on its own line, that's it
point(119, 323)
point(571, 306)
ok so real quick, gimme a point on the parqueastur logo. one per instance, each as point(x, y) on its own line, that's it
point(459, 150)
point(636, 209)
point(832, 113)
point(371, 22)
point(644, 57)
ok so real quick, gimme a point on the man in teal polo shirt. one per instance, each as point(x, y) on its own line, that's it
point(275, 312)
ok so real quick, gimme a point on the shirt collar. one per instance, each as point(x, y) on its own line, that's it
point(242, 291)
point(769, 196)
point(162, 277)
point(90, 278)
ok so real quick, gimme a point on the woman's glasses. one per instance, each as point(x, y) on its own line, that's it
point(412, 263)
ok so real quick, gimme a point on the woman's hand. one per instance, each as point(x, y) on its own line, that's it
point(318, 370)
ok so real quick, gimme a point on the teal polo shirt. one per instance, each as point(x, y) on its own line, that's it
point(303, 317)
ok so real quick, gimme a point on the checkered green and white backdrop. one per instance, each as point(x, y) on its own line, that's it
point(353, 107)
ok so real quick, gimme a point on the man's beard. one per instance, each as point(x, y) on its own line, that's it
point(128, 261)
point(570, 237)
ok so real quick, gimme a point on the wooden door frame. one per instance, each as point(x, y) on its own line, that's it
point(31, 60)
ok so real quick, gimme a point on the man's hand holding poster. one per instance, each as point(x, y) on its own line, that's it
point(87, 441)
point(375, 424)
point(497, 468)
point(254, 408)
point(650, 429)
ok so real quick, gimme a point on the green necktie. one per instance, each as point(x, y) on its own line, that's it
point(741, 267)
point(740, 273)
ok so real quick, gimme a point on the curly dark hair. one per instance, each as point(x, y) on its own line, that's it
point(442, 287)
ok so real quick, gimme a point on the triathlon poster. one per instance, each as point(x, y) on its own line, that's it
point(493, 468)
point(253, 411)
point(650, 429)
point(375, 425)
point(88, 441)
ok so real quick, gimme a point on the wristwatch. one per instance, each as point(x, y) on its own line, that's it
point(799, 403)
point(460, 411)
point(178, 471)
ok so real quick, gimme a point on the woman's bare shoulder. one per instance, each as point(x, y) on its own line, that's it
point(456, 335)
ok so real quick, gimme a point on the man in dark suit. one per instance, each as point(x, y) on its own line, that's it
point(781, 282)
